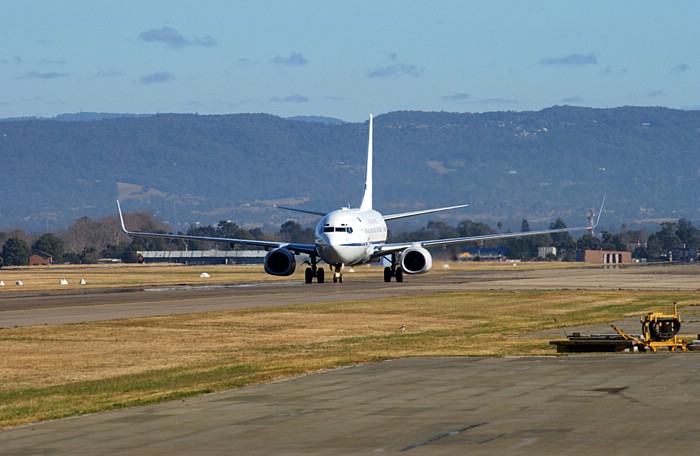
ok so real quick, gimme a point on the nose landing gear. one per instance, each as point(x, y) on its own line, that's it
point(314, 271)
point(337, 274)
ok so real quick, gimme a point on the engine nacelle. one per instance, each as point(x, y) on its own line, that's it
point(280, 262)
point(416, 260)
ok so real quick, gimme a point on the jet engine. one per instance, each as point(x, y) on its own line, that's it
point(280, 262)
point(416, 260)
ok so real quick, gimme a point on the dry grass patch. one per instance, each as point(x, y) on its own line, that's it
point(108, 276)
point(111, 276)
point(54, 371)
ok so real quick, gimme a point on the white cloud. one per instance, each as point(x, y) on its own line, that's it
point(395, 71)
point(173, 39)
point(571, 59)
point(157, 78)
point(290, 99)
point(294, 59)
point(43, 75)
point(456, 97)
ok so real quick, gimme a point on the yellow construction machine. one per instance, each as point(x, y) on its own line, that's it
point(658, 330)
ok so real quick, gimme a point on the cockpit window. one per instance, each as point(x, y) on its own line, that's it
point(337, 229)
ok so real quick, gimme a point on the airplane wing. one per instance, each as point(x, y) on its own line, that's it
point(386, 249)
point(296, 248)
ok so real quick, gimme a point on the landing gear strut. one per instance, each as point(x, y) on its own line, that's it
point(314, 271)
point(393, 271)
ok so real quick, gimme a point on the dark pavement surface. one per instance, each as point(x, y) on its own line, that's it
point(586, 404)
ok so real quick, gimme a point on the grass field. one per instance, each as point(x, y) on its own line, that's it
point(54, 371)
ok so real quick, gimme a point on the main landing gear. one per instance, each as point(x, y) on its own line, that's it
point(393, 271)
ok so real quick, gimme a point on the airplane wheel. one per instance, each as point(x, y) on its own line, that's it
point(340, 278)
point(387, 274)
point(399, 275)
point(335, 278)
point(308, 275)
point(320, 276)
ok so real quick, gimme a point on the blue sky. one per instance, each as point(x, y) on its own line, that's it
point(347, 58)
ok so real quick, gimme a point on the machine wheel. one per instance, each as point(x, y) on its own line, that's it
point(399, 275)
point(387, 274)
point(308, 275)
point(320, 276)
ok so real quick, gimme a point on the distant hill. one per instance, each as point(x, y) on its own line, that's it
point(78, 117)
point(91, 116)
point(319, 119)
point(187, 168)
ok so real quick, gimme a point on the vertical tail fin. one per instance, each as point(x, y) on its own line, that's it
point(367, 198)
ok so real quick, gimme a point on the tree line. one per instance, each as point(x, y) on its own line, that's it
point(86, 241)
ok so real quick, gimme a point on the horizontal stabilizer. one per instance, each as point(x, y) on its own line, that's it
point(426, 211)
point(305, 211)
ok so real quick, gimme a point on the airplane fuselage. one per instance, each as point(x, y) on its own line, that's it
point(348, 236)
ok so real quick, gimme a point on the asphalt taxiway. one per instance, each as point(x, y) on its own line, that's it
point(611, 404)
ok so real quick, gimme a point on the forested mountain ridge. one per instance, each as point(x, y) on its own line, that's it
point(554, 163)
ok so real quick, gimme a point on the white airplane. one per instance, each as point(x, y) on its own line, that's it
point(349, 237)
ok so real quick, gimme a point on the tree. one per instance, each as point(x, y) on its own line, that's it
point(521, 248)
point(89, 256)
point(612, 242)
point(80, 235)
point(687, 233)
point(15, 252)
point(671, 235)
point(639, 253)
point(661, 242)
point(50, 244)
point(469, 228)
point(229, 229)
point(588, 242)
point(564, 243)
point(291, 231)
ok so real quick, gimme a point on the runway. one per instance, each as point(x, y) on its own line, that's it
point(621, 404)
point(27, 309)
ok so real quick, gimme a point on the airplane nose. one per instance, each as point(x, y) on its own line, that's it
point(322, 240)
point(327, 244)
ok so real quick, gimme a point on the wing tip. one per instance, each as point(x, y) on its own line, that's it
point(121, 218)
